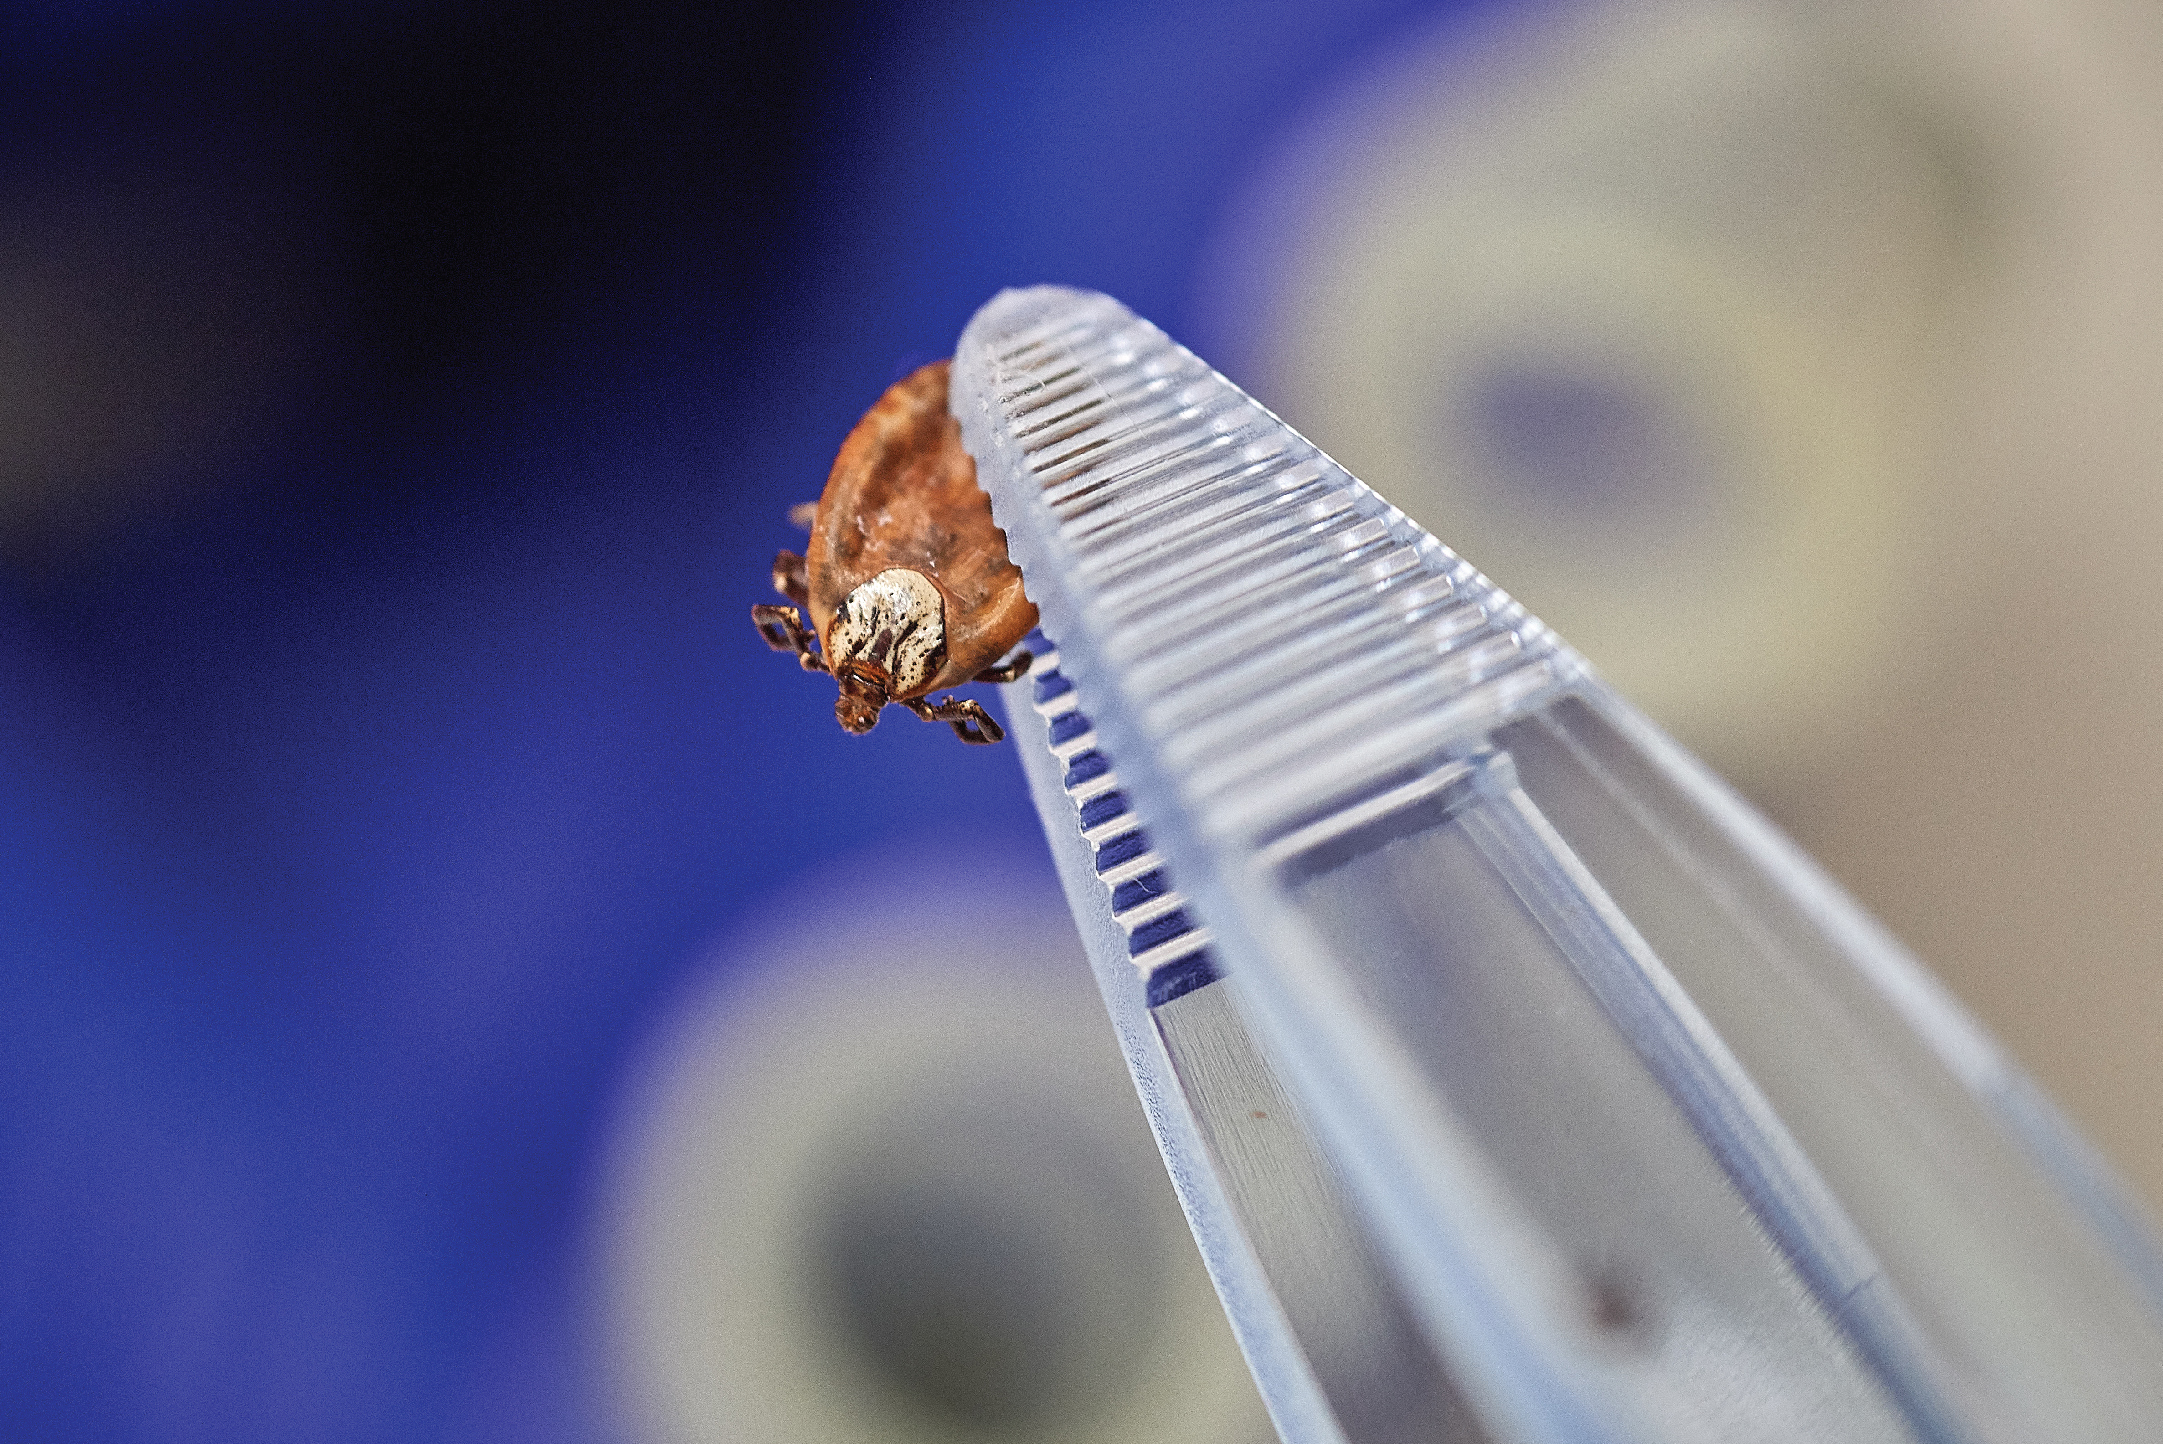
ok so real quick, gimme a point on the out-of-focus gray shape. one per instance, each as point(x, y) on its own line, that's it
point(872, 1182)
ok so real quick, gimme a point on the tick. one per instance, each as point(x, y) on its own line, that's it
point(906, 577)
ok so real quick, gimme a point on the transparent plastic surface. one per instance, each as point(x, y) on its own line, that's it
point(1653, 1134)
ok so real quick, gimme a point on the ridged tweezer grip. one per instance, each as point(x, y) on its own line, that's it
point(1291, 643)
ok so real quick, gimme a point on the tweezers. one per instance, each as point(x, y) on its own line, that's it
point(1518, 1080)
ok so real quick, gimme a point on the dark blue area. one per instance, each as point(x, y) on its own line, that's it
point(363, 797)
point(1124, 848)
point(1068, 726)
point(1158, 930)
point(1085, 767)
point(1103, 808)
point(1136, 891)
point(1176, 980)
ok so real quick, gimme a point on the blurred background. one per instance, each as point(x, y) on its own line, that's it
point(456, 983)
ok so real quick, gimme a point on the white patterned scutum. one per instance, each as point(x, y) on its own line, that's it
point(897, 620)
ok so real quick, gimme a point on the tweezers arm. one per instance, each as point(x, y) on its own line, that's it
point(1643, 1130)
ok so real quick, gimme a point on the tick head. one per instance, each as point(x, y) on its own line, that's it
point(857, 708)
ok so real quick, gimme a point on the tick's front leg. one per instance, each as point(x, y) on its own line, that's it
point(789, 579)
point(1014, 666)
point(784, 631)
point(971, 723)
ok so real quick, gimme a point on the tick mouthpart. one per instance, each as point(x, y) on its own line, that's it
point(862, 697)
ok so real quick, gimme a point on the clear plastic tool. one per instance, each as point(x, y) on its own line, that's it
point(1519, 1081)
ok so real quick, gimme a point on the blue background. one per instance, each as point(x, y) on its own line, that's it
point(371, 775)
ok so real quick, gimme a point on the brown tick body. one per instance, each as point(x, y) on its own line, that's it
point(906, 578)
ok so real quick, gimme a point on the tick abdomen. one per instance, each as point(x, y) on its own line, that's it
point(906, 576)
point(903, 494)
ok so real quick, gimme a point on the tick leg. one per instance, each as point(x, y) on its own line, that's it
point(1014, 666)
point(789, 579)
point(971, 723)
point(803, 514)
point(784, 632)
